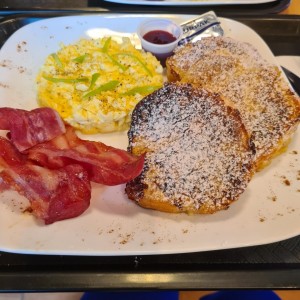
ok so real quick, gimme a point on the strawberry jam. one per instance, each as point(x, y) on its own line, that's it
point(159, 37)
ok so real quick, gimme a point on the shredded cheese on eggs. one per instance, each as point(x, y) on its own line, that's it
point(95, 84)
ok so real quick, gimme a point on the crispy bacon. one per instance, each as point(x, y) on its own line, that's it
point(28, 128)
point(106, 165)
point(9, 154)
point(54, 195)
point(3, 185)
point(52, 167)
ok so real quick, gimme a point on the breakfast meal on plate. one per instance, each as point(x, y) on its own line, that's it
point(95, 84)
point(45, 161)
point(269, 110)
point(198, 157)
point(194, 142)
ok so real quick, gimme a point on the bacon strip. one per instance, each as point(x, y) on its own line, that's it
point(106, 165)
point(59, 186)
point(54, 194)
point(28, 128)
point(9, 154)
point(3, 185)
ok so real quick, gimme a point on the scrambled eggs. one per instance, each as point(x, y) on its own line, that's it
point(95, 84)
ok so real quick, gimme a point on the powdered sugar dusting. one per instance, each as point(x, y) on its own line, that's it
point(190, 54)
point(197, 149)
point(245, 80)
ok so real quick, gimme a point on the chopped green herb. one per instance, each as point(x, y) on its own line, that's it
point(95, 76)
point(57, 60)
point(66, 80)
point(147, 89)
point(122, 67)
point(138, 60)
point(103, 88)
point(106, 45)
point(80, 59)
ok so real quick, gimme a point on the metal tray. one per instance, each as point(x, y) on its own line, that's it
point(271, 266)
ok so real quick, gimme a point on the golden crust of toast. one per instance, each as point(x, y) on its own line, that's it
point(198, 158)
point(235, 70)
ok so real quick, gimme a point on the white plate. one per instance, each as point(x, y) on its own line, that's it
point(268, 211)
point(189, 2)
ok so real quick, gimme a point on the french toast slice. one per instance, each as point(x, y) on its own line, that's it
point(235, 70)
point(198, 156)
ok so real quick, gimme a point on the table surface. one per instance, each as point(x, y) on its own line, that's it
point(270, 266)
